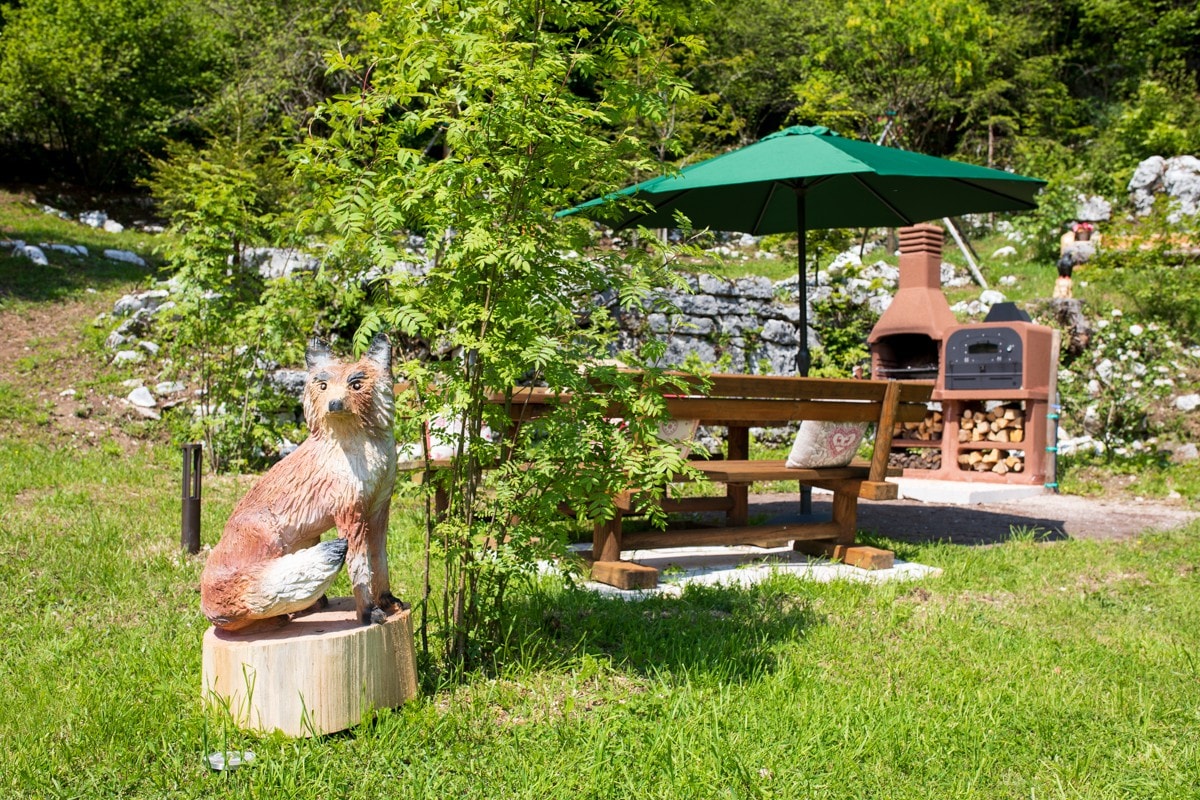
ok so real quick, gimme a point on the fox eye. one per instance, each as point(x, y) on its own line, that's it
point(356, 385)
point(323, 385)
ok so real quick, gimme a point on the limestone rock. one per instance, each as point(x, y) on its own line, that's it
point(93, 219)
point(128, 357)
point(1178, 178)
point(142, 397)
point(33, 253)
point(1187, 402)
point(1093, 208)
point(126, 256)
point(279, 262)
point(1185, 452)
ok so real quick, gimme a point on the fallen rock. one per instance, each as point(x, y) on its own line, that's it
point(1185, 452)
point(279, 262)
point(1008, 251)
point(126, 256)
point(127, 357)
point(142, 396)
point(71, 249)
point(33, 253)
point(1187, 402)
point(93, 219)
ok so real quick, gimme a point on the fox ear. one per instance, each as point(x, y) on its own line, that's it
point(318, 353)
point(380, 352)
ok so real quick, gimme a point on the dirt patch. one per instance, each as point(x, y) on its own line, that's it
point(1049, 516)
point(46, 361)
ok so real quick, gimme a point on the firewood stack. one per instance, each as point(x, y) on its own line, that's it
point(995, 460)
point(1000, 424)
point(913, 458)
point(927, 430)
point(1003, 425)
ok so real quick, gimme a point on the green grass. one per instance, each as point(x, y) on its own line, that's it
point(67, 276)
point(1028, 669)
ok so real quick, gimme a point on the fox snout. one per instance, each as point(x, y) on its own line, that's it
point(337, 405)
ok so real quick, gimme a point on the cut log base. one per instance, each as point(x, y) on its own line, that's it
point(321, 673)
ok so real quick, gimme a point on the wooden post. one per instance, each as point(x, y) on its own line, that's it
point(738, 446)
point(320, 673)
point(845, 516)
point(884, 431)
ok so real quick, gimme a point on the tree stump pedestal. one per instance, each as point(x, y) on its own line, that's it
point(320, 673)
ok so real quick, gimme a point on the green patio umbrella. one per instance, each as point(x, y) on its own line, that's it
point(804, 178)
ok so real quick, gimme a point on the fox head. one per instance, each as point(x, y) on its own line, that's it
point(349, 397)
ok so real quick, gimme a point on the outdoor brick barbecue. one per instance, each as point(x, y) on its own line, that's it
point(995, 381)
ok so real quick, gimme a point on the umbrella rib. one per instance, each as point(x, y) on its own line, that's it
point(762, 211)
point(890, 207)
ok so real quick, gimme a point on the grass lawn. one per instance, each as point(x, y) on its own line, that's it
point(1028, 669)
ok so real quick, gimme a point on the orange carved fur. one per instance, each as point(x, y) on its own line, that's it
point(270, 561)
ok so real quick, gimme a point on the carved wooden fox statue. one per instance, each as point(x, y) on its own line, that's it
point(270, 561)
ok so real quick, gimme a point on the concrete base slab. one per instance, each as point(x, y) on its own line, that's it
point(964, 493)
point(745, 566)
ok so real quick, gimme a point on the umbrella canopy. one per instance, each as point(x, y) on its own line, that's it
point(804, 178)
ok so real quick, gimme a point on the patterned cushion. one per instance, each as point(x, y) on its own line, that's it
point(825, 444)
point(679, 432)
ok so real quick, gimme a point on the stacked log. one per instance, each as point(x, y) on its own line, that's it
point(927, 430)
point(923, 458)
point(994, 460)
point(1000, 424)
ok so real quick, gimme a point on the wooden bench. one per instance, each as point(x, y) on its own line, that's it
point(737, 403)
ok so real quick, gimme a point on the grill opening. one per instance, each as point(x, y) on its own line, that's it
point(906, 356)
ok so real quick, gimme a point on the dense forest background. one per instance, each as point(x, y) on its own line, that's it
point(110, 93)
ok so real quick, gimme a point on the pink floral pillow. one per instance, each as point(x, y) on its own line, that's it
point(825, 444)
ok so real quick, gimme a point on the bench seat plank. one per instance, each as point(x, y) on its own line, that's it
point(775, 470)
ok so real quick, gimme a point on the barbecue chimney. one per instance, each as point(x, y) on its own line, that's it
point(905, 342)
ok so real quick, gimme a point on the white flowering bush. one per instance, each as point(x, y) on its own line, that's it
point(1110, 389)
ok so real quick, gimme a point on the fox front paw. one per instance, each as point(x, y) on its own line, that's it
point(373, 615)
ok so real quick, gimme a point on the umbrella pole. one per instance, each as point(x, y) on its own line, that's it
point(803, 359)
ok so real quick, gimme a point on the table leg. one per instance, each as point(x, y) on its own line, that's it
point(737, 443)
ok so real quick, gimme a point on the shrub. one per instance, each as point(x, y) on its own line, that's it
point(1110, 390)
point(474, 123)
